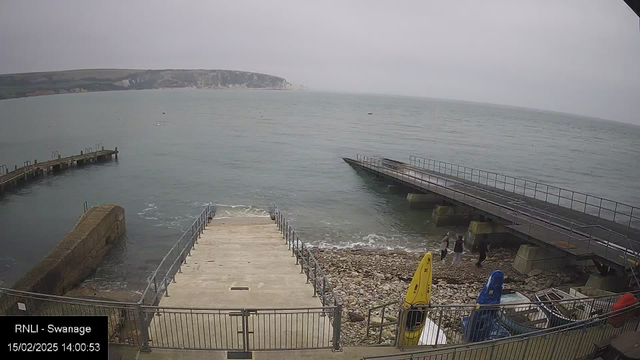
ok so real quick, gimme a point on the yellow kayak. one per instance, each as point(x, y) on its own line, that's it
point(419, 293)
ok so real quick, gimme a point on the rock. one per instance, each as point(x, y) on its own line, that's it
point(355, 317)
point(391, 318)
point(386, 287)
point(534, 272)
point(376, 320)
point(472, 295)
point(388, 334)
point(549, 283)
point(528, 280)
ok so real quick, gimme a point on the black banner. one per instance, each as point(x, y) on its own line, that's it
point(46, 337)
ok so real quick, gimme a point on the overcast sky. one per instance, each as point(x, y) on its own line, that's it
point(577, 56)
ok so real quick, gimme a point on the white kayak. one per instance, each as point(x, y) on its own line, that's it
point(431, 333)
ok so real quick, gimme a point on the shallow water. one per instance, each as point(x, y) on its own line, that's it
point(247, 149)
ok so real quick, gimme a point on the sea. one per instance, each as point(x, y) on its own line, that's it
point(242, 150)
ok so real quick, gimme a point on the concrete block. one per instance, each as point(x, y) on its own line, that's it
point(531, 257)
point(479, 228)
point(611, 283)
point(444, 215)
point(424, 198)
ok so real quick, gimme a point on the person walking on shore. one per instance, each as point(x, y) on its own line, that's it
point(458, 250)
point(482, 249)
point(444, 248)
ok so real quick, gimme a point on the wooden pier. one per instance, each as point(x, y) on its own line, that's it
point(29, 171)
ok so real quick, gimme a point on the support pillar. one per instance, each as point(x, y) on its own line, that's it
point(531, 257)
point(613, 283)
point(444, 215)
point(494, 233)
point(423, 200)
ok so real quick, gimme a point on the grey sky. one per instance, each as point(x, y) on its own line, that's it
point(577, 56)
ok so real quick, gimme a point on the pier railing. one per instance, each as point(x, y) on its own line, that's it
point(590, 204)
point(171, 264)
point(606, 243)
point(573, 340)
point(307, 261)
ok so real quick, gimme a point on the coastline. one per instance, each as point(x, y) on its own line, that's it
point(366, 278)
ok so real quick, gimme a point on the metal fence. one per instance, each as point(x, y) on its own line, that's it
point(126, 320)
point(574, 340)
point(575, 237)
point(308, 263)
point(593, 205)
point(444, 324)
point(172, 262)
point(191, 328)
point(244, 329)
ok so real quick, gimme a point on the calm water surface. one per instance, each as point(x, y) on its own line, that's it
point(244, 149)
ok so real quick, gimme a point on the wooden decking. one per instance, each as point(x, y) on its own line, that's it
point(13, 179)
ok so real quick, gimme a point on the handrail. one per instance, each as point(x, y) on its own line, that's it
point(174, 258)
point(492, 179)
point(433, 181)
point(309, 266)
point(306, 260)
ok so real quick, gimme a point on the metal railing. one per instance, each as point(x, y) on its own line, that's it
point(243, 329)
point(445, 326)
point(377, 327)
point(309, 266)
point(125, 319)
point(308, 263)
point(573, 340)
point(191, 328)
point(605, 243)
point(590, 204)
point(172, 262)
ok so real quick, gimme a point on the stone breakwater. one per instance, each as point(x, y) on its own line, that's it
point(366, 278)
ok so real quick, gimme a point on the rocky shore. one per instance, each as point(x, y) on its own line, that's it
point(363, 279)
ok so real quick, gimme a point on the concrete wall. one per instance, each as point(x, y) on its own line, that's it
point(78, 253)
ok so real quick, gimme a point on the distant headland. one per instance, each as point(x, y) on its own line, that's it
point(89, 80)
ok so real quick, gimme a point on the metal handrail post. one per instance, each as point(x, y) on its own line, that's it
point(337, 327)
point(600, 207)
point(144, 329)
point(315, 277)
point(324, 285)
point(302, 257)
